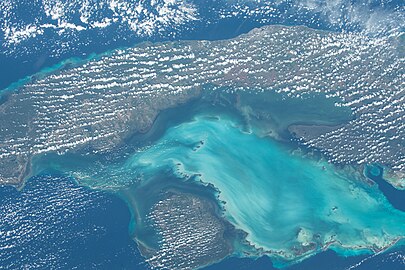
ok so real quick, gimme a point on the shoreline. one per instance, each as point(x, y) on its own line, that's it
point(287, 255)
point(77, 60)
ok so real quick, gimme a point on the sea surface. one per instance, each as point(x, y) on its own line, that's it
point(268, 191)
point(392, 259)
point(55, 222)
point(27, 53)
point(394, 196)
point(100, 222)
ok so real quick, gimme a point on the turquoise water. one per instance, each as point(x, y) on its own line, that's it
point(71, 238)
point(395, 196)
point(67, 63)
point(291, 206)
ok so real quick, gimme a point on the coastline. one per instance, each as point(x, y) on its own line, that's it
point(183, 172)
point(395, 178)
point(76, 61)
point(303, 249)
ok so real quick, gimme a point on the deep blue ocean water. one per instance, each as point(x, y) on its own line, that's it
point(394, 196)
point(33, 55)
point(392, 259)
point(53, 223)
point(327, 260)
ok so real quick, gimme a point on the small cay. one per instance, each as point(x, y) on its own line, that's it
point(215, 176)
point(251, 146)
point(290, 205)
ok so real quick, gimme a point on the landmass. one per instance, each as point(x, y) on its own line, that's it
point(97, 104)
point(250, 146)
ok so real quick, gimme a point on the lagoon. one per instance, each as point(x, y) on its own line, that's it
point(290, 205)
